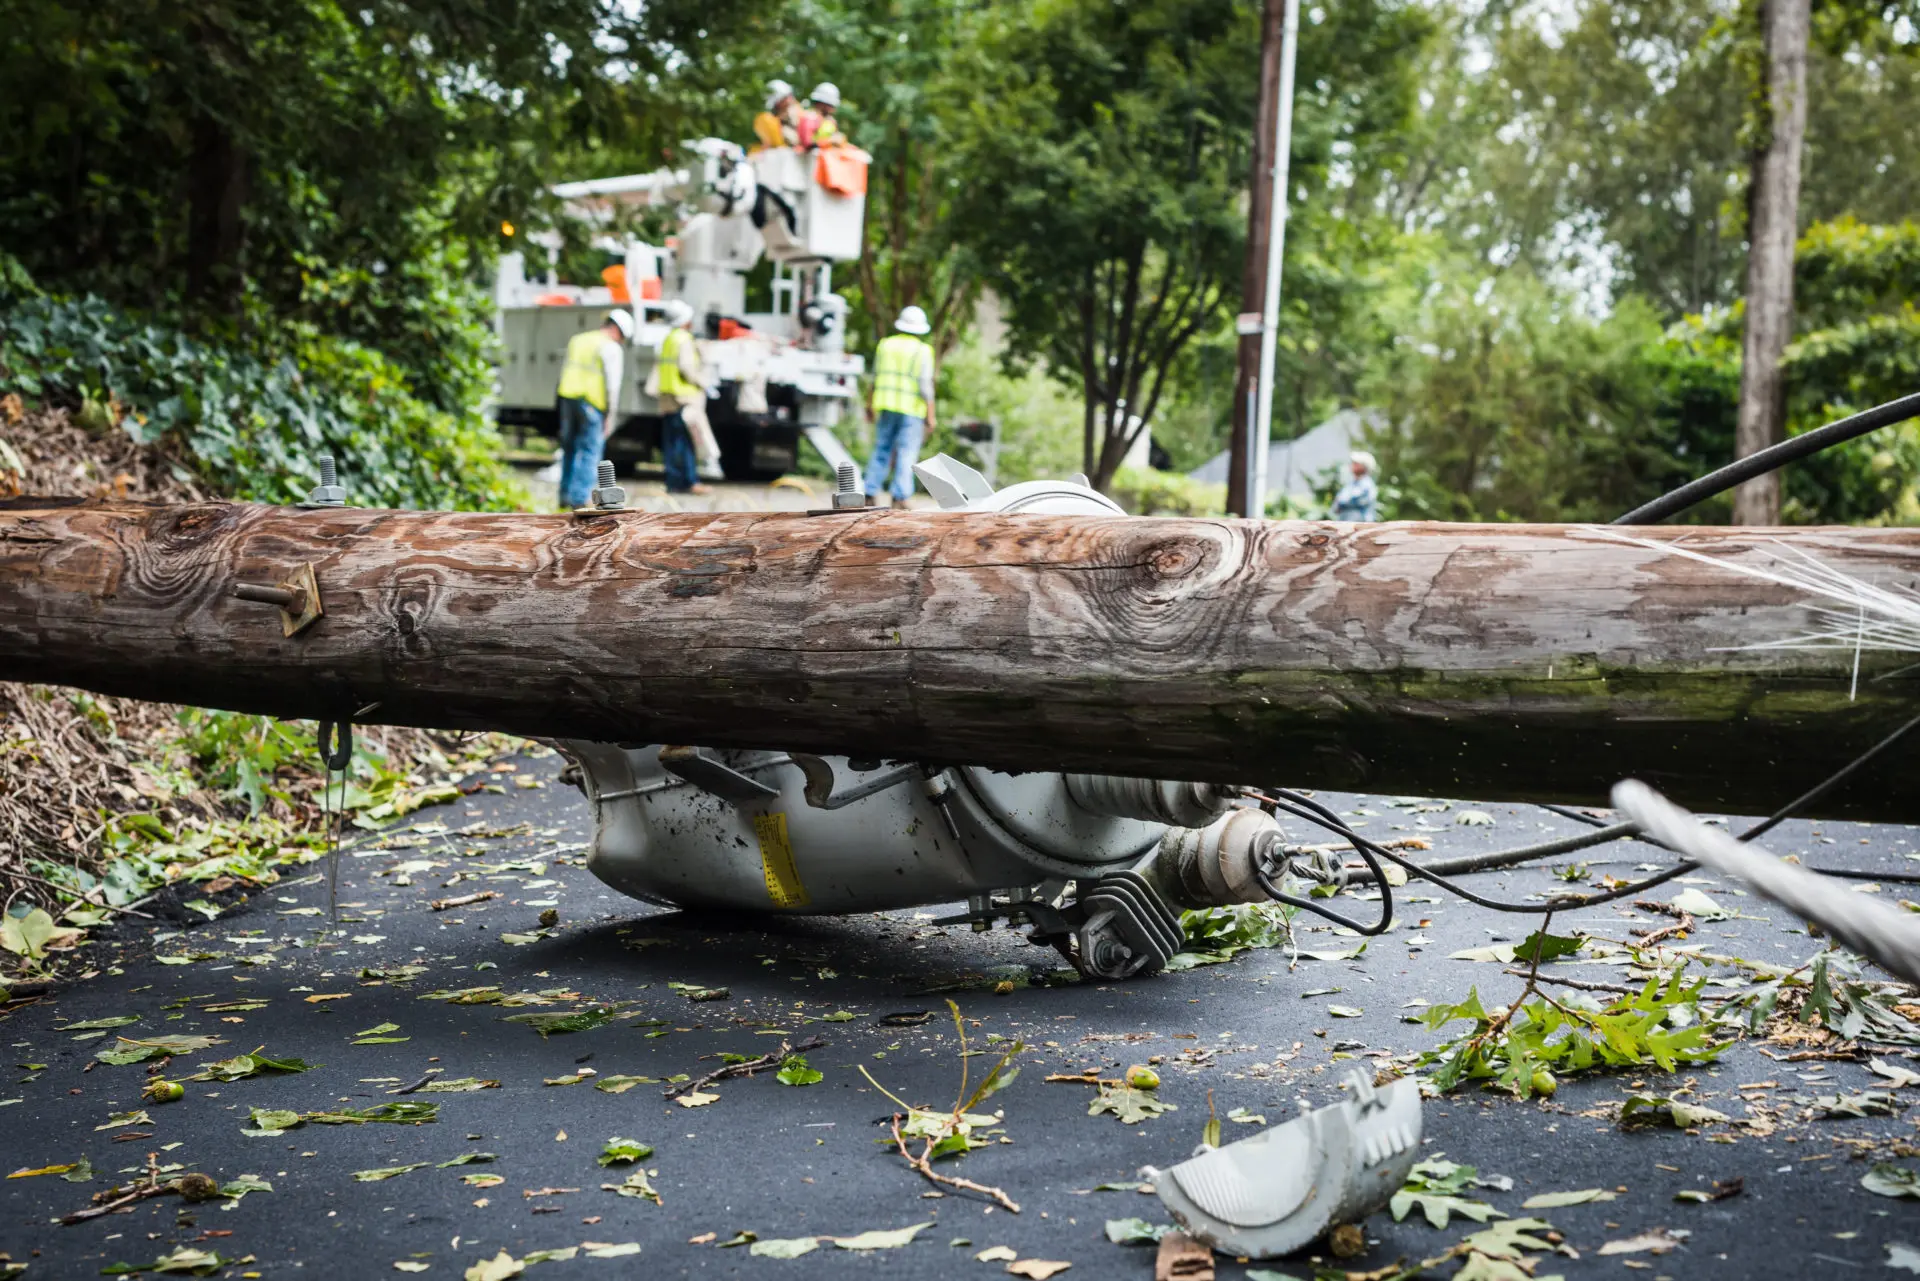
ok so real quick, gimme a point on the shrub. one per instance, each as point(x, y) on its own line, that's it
point(253, 420)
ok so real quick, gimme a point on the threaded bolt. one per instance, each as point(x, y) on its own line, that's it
point(329, 475)
point(849, 477)
point(606, 474)
point(846, 494)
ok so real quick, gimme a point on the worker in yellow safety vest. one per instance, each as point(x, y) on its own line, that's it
point(589, 402)
point(817, 125)
point(777, 126)
point(903, 403)
point(681, 381)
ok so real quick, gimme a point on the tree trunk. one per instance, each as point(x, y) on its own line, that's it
point(1773, 203)
point(217, 193)
point(1493, 661)
point(1253, 283)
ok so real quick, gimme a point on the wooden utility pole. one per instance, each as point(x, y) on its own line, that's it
point(1496, 661)
point(1773, 224)
point(1253, 293)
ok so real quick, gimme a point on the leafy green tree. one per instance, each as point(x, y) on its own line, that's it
point(249, 164)
point(1106, 162)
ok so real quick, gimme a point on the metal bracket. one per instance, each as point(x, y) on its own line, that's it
point(820, 779)
point(708, 774)
point(297, 596)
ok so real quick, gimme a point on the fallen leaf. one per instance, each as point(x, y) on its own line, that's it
point(1654, 1241)
point(1887, 1179)
point(1699, 906)
point(45, 1169)
point(318, 997)
point(1903, 1256)
point(621, 1251)
point(1899, 1076)
point(1473, 818)
point(624, 1151)
point(621, 1084)
point(1344, 1011)
point(696, 1099)
point(882, 1239)
point(387, 1172)
point(1554, 1200)
point(408, 1265)
point(483, 1180)
point(1130, 1232)
point(999, 1254)
point(501, 1267)
point(1131, 1106)
point(1037, 1269)
point(795, 1071)
point(634, 1185)
point(784, 1248)
point(185, 1260)
point(458, 1085)
point(467, 1158)
point(121, 1120)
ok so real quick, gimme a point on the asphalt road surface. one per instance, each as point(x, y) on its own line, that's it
point(783, 1161)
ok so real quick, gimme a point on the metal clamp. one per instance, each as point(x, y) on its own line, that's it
point(297, 597)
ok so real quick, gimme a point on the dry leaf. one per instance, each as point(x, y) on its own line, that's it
point(998, 1254)
point(1036, 1269)
point(696, 1099)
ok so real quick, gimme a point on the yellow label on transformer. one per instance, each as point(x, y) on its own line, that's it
point(776, 861)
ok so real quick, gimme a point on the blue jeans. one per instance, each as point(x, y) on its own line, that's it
point(896, 444)
point(676, 454)
point(580, 445)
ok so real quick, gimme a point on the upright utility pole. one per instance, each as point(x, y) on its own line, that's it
point(1773, 215)
point(1276, 251)
point(1253, 281)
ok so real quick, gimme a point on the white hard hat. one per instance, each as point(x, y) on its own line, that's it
point(678, 313)
point(827, 92)
point(776, 91)
point(912, 321)
point(621, 320)
point(1364, 459)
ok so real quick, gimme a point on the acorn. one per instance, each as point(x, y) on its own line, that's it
point(1142, 1077)
point(196, 1187)
point(161, 1090)
point(549, 918)
point(1347, 1241)
point(1544, 1083)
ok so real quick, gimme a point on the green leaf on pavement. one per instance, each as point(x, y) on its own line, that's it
point(634, 1185)
point(387, 1172)
point(1888, 1179)
point(881, 1239)
point(795, 1071)
point(1136, 1231)
point(624, 1151)
point(1131, 1106)
point(131, 1050)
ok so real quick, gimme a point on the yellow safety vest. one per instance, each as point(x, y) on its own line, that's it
point(672, 381)
point(899, 364)
point(583, 377)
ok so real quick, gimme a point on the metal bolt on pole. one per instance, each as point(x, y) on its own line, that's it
point(329, 492)
point(607, 495)
point(846, 493)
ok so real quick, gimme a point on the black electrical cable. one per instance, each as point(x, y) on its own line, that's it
point(1279, 895)
point(1313, 812)
point(1812, 442)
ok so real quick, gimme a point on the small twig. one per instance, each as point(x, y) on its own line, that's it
point(442, 904)
point(924, 1168)
point(417, 1085)
point(1583, 985)
point(747, 1068)
point(76, 895)
point(1685, 925)
point(139, 1192)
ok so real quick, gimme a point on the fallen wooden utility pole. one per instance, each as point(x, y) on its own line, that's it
point(1508, 661)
